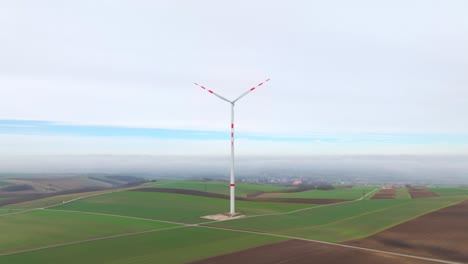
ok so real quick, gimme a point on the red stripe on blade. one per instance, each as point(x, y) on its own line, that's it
point(232, 125)
point(210, 91)
point(253, 88)
point(260, 84)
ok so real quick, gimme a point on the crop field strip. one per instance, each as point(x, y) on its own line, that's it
point(441, 234)
point(347, 194)
point(341, 222)
point(402, 193)
point(303, 252)
point(242, 231)
point(168, 206)
point(45, 253)
point(449, 191)
point(219, 187)
point(59, 199)
point(44, 227)
point(254, 232)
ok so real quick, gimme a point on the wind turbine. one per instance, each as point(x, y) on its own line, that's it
point(233, 102)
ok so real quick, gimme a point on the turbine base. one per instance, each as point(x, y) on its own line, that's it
point(223, 217)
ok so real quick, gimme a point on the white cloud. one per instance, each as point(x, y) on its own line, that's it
point(335, 67)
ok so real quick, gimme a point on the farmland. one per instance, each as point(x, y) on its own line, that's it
point(168, 206)
point(242, 189)
point(341, 222)
point(54, 227)
point(134, 226)
point(402, 193)
point(348, 193)
point(450, 191)
point(167, 246)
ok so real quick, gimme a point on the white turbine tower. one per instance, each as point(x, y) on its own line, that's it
point(232, 182)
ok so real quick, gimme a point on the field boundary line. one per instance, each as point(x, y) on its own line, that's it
point(336, 244)
point(72, 200)
point(20, 212)
point(120, 216)
point(87, 196)
point(91, 240)
point(403, 203)
point(294, 211)
point(412, 218)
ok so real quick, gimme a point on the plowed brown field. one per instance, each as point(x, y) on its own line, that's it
point(303, 252)
point(441, 234)
point(421, 193)
point(254, 199)
point(385, 194)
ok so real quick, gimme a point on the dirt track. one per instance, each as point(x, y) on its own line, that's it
point(441, 234)
point(296, 251)
point(421, 193)
point(385, 194)
point(255, 199)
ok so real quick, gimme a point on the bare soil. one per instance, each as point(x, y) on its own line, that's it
point(421, 193)
point(255, 199)
point(303, 252)
point(389, 193)
point(441, 234)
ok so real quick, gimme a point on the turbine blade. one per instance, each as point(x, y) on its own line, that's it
point(250, 90)
point(211, 92)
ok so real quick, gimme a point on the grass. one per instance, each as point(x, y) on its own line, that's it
point(333, 223)
point(166, 246)
point(341, 222)
point(242, 189)
point(444, 191)
point(53, 200)
point(402, 193)
point(349, 194)
point(44, 227)
point(7, 211)
point(171, 207)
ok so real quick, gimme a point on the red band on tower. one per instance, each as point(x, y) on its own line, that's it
point(232, 185)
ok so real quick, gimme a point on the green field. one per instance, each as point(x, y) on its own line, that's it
point(44, 227)
point(242, 189)
point(402, 193)
point(341, 222)
point(445, 191)
point(7, 211)
point(82, 232)
point(167, 246)
point(54, 200)
point(348, 193)
point(171, 207)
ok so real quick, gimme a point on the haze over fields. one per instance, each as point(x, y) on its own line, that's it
point(365, 169)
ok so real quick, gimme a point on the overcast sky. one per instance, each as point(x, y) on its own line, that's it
point(347, 77)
